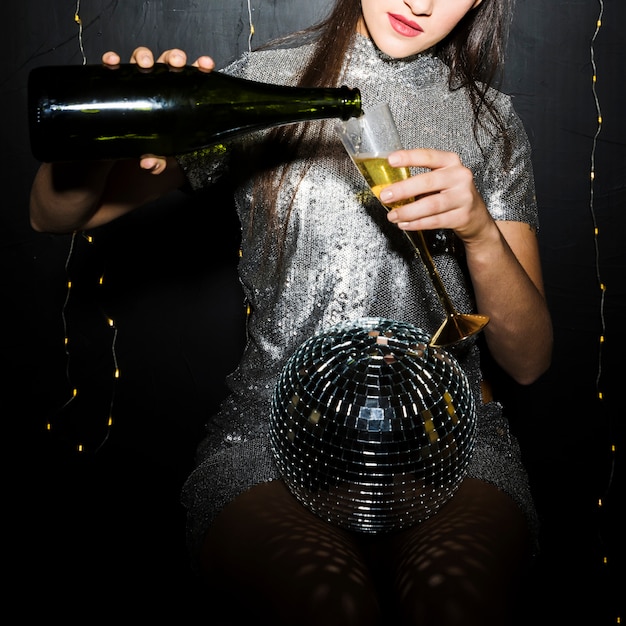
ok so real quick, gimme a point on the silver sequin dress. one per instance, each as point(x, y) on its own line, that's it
point(342, 260)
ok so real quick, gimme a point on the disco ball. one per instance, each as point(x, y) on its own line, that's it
point(371, 428)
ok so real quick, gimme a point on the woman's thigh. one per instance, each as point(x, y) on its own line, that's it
point(268, 558)
point(461, 566)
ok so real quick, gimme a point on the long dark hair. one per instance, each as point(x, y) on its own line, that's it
point(474, 51)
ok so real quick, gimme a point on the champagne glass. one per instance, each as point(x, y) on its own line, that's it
point(369, 139)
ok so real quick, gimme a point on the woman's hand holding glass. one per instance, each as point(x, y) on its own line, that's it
point(444, 196)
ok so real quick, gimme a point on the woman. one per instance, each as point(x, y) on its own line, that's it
point(317, 249)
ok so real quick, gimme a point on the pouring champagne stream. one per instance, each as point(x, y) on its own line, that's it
point(368, 140)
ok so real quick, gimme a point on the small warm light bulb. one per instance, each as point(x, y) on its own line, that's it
point(117, 373)
point(110, 322)
point(79, 447)
point(74, 392)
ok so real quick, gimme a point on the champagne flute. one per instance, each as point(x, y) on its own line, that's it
point(369, 139)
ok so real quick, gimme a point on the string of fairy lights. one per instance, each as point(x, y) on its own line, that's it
point(80, 445)
point(602, 287)
point(79, 21)
point(74, 394)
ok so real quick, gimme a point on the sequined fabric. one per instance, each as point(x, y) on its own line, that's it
point(342, 260)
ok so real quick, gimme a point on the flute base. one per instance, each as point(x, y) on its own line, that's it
point(458, 327)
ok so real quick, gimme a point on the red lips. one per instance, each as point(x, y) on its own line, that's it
point(404, 27)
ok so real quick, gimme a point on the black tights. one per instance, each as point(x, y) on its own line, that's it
point(268, 560)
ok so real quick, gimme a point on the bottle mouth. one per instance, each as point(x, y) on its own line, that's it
point(352, 102)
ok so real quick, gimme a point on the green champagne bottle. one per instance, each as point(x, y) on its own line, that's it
point(78, 112)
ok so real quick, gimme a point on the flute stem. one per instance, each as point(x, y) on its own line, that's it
point(456, 327)
point(418, 241)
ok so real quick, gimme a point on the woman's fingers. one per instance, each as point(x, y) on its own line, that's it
point(173, 57)
point(204, 63)
point(144, 57)
point(111, 58)
point(153, 164)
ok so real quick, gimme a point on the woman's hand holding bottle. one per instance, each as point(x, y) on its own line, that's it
point(82, 193)
point(144, 57)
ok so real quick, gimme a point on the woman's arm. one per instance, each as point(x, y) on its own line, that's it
point(78, 195)
point(507, 281)
point(502, 257)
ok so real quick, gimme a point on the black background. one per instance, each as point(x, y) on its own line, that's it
point(95, 532)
